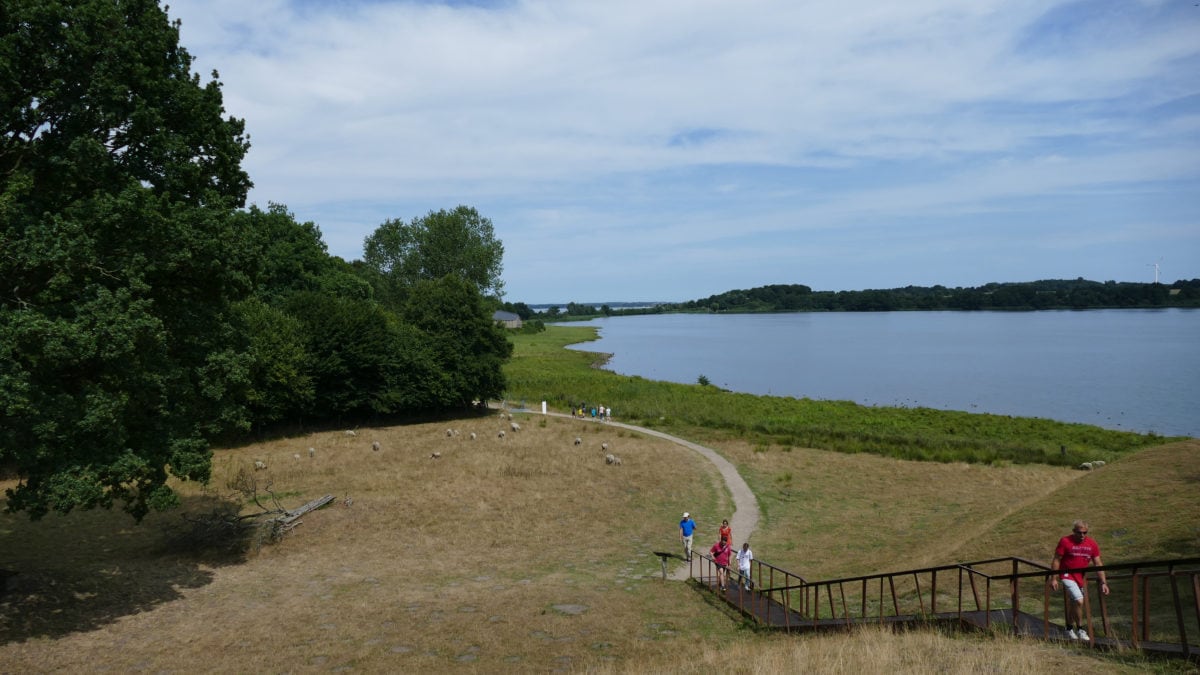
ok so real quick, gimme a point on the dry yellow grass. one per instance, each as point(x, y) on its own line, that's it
point(831, 514)
point(519, 554)
point(874, 650)
point(477, 558)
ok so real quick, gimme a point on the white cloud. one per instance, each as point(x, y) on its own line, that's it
point(672, 124)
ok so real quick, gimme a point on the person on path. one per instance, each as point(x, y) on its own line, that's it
point(744, 557)
point(720, 553)
point(687, 527)
point(1074, 553)
point(725, 532)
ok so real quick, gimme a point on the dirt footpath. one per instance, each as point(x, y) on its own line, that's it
point(745, 516)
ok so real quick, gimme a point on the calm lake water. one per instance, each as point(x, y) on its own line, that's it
point(1133, 370)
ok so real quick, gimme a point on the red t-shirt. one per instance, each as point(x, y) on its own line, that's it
point(1076, 556)
point(720, 554)
point(725, 533)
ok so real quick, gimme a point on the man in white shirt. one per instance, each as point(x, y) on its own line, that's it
point(744, 557)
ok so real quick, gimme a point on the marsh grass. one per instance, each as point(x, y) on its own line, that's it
point(542, 370)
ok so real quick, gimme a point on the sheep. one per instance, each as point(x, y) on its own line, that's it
point(375, 446)
point(351, 433)
point(449, 433)
point(312, 452)
point(296, 455)
point(604, 447)
point(578, 441)
point(1097, 463)
point(612, 459)
point(436, 455)
point(501, 434)
point(259, 465)
point(515, 426)
point(1086, 466)
point(473, 437)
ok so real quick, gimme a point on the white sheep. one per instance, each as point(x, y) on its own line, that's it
point(612, 459)
point(501, 434)
point(449, 433)
point(1097, 463)
point(473, 437)
point(436, 455)
point(578, 441)
point(312, 452)
point(515, 426)
point(296, 455)
point(375, 446)
point(604, 447)
point(1086, 466)
point(351, 433)
point(259, 465)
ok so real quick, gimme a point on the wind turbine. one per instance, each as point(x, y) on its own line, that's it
point(1155, 266)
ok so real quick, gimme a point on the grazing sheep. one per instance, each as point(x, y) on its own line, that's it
point(1097, 463)
point(351, 433)
point(296, 456)
point(473, 435)
point(312, 452)
point(501, 434)
point(515, 426)
point(578, 441)
point(436, 455)
point(612, 459)
point(259, 465)
point(1086, 466)
point(604, 446)
point(375, 446)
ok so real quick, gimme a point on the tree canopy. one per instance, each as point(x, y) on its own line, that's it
point(442, 243)
point(145, 313)
point(120, 263)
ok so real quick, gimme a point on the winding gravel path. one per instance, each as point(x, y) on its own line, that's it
point(745, 515)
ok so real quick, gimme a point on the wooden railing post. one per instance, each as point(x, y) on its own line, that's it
point(1016, 595)
point(1135, 612)
point(1187, 652)
point(987, 611)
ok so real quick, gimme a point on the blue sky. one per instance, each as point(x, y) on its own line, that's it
point(631, 150)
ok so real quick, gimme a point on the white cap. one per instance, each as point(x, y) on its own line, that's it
point(686, 514)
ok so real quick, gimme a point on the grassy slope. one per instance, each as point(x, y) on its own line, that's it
point(463, 562)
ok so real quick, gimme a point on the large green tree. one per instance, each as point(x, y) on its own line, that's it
point(119, 258)
point(460, 242)
point(469, 347)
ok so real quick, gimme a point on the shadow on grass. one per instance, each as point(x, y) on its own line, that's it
point(82, 571)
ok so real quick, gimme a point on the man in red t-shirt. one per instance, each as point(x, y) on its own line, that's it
point(1075, 552)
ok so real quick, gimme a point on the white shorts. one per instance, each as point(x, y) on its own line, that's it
point(1073, 589)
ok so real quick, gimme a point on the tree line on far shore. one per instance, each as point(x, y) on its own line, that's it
point(1016, 296)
